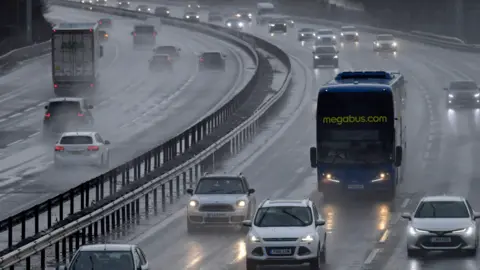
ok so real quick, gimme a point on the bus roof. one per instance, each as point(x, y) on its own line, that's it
point(75, 26)
point(362, 81)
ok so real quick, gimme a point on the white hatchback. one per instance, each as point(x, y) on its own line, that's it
point(285, 232)
point(82, 148)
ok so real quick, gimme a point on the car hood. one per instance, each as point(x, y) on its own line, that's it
point(306, 33)
point(384, 42)
point(441, 224)
point(349, 33)
point(281, 232)
point(325, 36)
point(218, 198)
point(464, 92)
point(325, 54)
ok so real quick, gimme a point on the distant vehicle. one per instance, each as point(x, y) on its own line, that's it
point(325, 41)
point(214, 16)
point(463, 94)
point(143, 8)
point(76, 51)
point(442, 223)
point(244, 14)
point(144, 35)
point(105, 23)
point(192, 16)
point(219, 201)
point(212, 61)
point(66, 113)
point(89, 3)
point(160, 62)
point(235, 23)
point(277, 26)
point(162, 11)
point(325, 55)
point(306, 34)
point(360, 134)
point(193, 6)
point(264, 8)
point(171, 51)
point(286, 232)
point(123, 4)
point(103, 35)
point(349, 33)
point(129, 256)
point(82, 148)
point(101, 2)
point(385, 43)
point(326, 34)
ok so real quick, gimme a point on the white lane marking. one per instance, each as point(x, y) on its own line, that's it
point(30, 109)
point(384, 237)
point(41, 104)
point(15, 115)
point(15, 142)
point(405, 202)
point(34, 134)
point(3, 120)
point(371, 256)
point(153, 230)
point(426, 155)
point(300, 170)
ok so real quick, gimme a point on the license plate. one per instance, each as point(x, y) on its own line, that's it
point(283, 251)
point(216, 215)
point(441, 239)
point(355, 186)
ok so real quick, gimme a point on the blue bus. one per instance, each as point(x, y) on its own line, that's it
point(360, 133)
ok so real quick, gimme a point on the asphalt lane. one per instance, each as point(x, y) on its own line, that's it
point(134, 109)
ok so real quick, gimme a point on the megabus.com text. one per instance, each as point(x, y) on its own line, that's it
point(350, 119)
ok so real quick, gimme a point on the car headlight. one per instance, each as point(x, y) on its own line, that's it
point(334, 37)
point(394, 44)
point(238, 15)
point(197, 17)
point(250, 15)
point(414, 231)
point(314, 34)
point(188, 17)
point(477, 95)
point(356, 34)
point(272, 25)
point(330, 178)
point(467, 231)
point(307, 238)
point(335, 57)
point(253, 238)
point(377, 44)
point(284, 24)
point(241, 203)
point(316, 57)
point(380, 177)
point(341, 34)
point(168, 11)
point(229, 24)
point(193, 203)
point(451, 96)
point(149, 9)
point(302, 35)
point(240, 24)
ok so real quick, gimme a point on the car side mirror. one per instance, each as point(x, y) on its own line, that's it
point(313, 157)
point(445, 88)
point(190, 191)
point(398, 156)
point(131, 33)
point(251, 191)
point(476, 215)
point(407, 216)
point(101, 51)
point(107, 142)
point(46, 107)
point(320, 222)
point(247, 223)
point(90, 107)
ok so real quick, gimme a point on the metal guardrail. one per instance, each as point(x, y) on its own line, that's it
point(165, 157)
point(11, 58)
point(175, 171)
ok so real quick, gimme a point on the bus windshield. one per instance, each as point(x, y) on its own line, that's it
point(355, 127)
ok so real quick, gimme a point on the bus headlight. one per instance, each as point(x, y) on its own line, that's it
point(380, 177)
point(477, 95)
point(451, 96)
point(328, 177)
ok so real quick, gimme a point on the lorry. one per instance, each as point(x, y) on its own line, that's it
point(76, 52)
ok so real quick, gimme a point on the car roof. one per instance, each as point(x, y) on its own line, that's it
point(325, 30)
point(443, 198)
point(107, 247)
point(348, 26)
point(211, 52)
point(464, 81)
point(286, 202)
point(222, 176)
point(161, 55)
point(69, 99)
point(107, 19)
point(385, 35)
point(78, 133)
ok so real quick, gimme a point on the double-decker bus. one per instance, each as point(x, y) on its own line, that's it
point(360, 133)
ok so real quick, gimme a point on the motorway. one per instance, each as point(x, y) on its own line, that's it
point(134, 109)
point(443, 147)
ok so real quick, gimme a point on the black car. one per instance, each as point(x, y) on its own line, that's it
point(244, 15)
point(171, 51)
point(101, 2)
point(235, 23)
point(192, 16)
point(214, 16)
point(64, 114)
point(306, 34)
point(463, 94)
point(160, 62)
point(277, 26)
point(325, 56)
point(385, 43)
point(144, 35)
point(162, 11)
point(123, 4)
point(143, 8)
point(212, 61)
point(105, 23)
point(103, 35)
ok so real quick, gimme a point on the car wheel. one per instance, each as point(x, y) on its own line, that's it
point(315, 262)
point(106, 162)
point(414, 253)
point(251, 265)
point(323, 253)
point(191, 229)
point(471, 252)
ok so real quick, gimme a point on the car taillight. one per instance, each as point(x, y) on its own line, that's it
point(134, 34)
point(47, 115)
point(169, 59)
point(100, 22)
point(80, 114)
point(59, 148)
point(201, 59)
point(93, 148)
point(55, 86)
point(91, 85)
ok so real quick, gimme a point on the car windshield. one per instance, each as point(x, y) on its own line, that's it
point(349, 29)
point(142, 7)
point(283, 216)
point(220, 186)
point(63, 107)
point(233, 21)
point(325, 50)
point(146, 29)
point(161, 9)
point(442, 209)
point(191, 14)
point(76, 140)
point(463, 85)
point(212, 55)
point(103, 260)
point(325, 32)
point(160, 57)
point(385, 37)
point(165, 49)
point(307, 30)
point(105, 20)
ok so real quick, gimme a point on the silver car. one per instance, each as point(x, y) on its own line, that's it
point(442, 223)
point(220, 201)
point(385, 43)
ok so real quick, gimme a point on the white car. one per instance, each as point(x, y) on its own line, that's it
point(386, 43)
point(349, 33)
point(106, 256)
point(327, 34)
point(220, 200)
point(82, 148)
point(286, 232)
point(442, 223)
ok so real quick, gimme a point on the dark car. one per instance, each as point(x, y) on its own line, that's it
point(143, 8)
point(277, 26)
point(105, 23)
point(144, 35)
point(193, 6)
point(385, 43)
point(172, 51)
point(214, 16)
point(325, 56)
point(64, 114)
point(123, 4)
point(324, 41)
point(305, 34)
point(103, 35)
point(463, 94)
point(101, 2)
point(235, 23)
point(212, 61)
point(192, 16)
point(244, 15)
point(160, 62)
point(162, 11)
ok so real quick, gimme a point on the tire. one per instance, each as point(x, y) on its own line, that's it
point(191, 229)
point(323, 253)
point(106, 161)
point(251, 265)
point(471, 252)
point(415, 253)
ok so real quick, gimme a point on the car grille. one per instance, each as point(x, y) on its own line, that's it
point(426, 241)
point(279, 239)
point(217, 219)
point(271, 251)
point(349, 37)
point(216, 208)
